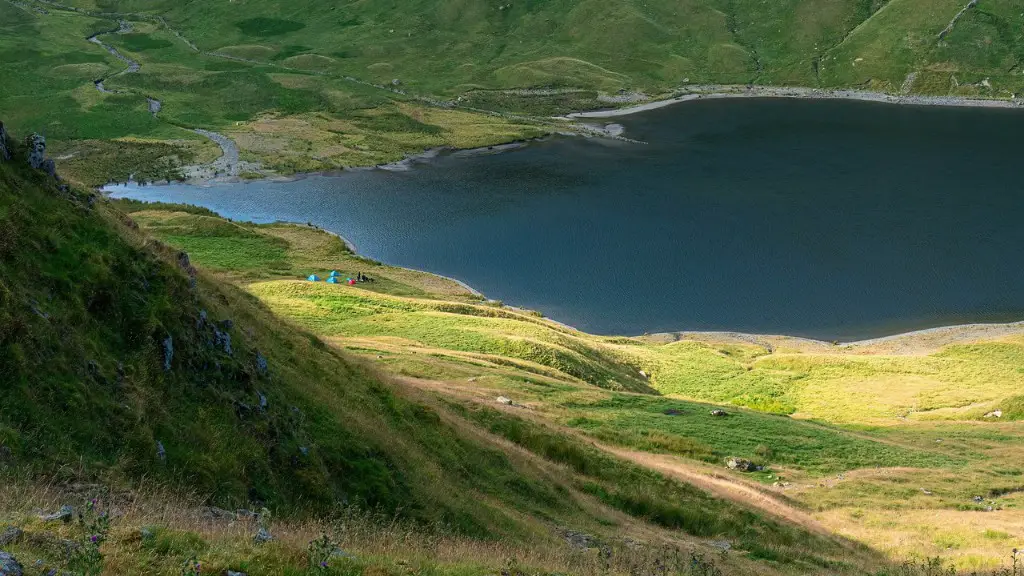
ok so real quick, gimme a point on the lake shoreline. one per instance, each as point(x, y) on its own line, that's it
point(711, 92)
point(901, 342)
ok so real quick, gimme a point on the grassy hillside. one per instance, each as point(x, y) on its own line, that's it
point(133, 378)
point(319, 85)
point(847, 434)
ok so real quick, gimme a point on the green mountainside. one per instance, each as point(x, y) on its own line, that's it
point(318, 85)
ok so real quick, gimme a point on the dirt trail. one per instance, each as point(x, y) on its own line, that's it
point(723, 487)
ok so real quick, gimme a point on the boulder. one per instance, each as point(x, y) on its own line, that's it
point(161, 454)
point(5, 146)
point(994, 414)
point(9, 566)
point(741, 464)
point(719, 413)
point(505, 401)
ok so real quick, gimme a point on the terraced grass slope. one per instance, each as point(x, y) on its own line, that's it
point(846, 434)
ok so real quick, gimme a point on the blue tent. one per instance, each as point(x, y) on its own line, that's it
point(333, 280)
point(333, 274)
point(313, 278)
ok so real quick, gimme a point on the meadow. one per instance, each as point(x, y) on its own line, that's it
point(846, 435)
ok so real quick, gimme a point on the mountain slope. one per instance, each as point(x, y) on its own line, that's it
point(125, 367)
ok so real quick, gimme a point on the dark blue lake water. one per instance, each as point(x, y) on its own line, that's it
point(829, 219)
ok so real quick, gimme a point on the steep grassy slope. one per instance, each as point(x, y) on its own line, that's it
point(895, 425)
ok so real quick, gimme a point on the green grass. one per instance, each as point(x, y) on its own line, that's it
point(87, 302)
point(295, 106)
point(814, 448)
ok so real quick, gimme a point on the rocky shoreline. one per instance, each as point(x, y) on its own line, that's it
point(707, 92)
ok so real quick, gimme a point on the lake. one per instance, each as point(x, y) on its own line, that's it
point(828, 219)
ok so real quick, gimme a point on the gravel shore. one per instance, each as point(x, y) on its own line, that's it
point(714, 91)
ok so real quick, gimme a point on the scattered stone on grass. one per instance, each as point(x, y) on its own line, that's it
point(718, 413)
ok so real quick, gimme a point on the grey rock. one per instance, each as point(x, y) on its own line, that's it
point(202, 319)
point(246, 513)
point(977, 499)
point(36, 145)
point(147, 533)
point(741, 464)
point(49, 167)
point(64, 514)
point(719, 413)
point(723, 545)
point(304, 450)
point(9, 566)
point(222, 340)
point(580, 540)
point(263, 401)
point(214, 513)
point(262, 536)
point(926, 491)
point(161, 454)
point(233, 573)
point(227, 324)
point(505, 401)
point(261, 363)
point(154, 105)
point(168, 351)
point(994, 414)
point(5, 147)
point(185, 263)
point(339, 553)
point(10, 535)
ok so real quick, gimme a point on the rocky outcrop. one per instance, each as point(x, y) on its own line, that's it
point(5, 146)
point(36, 145)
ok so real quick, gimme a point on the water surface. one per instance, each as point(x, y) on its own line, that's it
point(829, 219)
